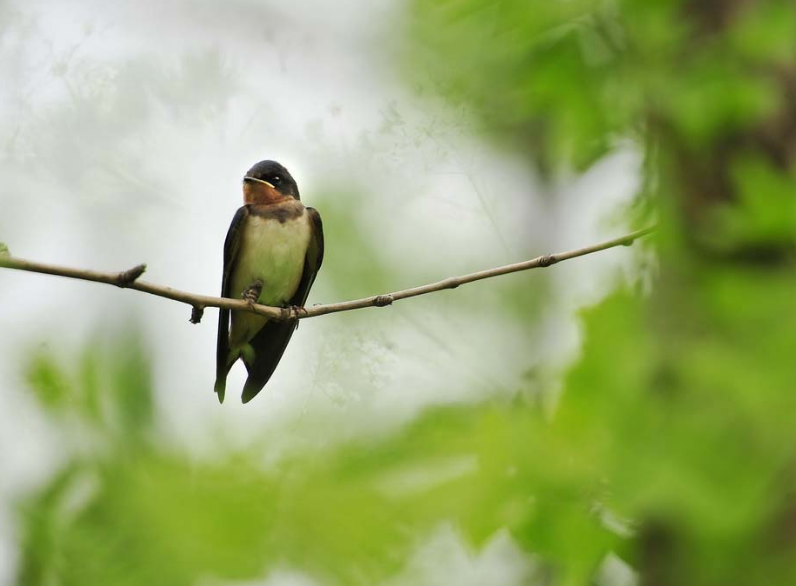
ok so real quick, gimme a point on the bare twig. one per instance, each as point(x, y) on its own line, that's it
point(129, 279)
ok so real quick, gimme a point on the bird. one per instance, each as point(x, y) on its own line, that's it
point(272, 254)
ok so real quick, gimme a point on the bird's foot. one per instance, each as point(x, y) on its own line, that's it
point(252, 293)
point(297, 310)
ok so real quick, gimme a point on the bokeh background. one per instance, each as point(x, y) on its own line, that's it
point(623, 418)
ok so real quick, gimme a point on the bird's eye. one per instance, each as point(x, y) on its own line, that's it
point(277, 179)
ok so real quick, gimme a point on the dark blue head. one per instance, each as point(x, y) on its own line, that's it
point(275, 175)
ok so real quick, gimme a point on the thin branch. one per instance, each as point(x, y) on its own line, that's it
point(129, 280)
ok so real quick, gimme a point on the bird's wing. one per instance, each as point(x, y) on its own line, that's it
point(231, 248)
point(313, 260)
point(270, 342)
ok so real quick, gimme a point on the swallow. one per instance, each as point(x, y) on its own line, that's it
point(272, 253)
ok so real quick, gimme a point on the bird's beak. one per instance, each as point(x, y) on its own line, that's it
point(248, 178)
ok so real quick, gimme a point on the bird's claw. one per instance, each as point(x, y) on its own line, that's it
point(297, 310)
point(252, 293)
point(294, 312)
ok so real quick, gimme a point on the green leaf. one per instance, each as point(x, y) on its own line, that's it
point(49, 382)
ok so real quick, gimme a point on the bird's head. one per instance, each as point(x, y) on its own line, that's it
point(268, 182)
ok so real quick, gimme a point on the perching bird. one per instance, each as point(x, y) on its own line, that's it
point(273, 251)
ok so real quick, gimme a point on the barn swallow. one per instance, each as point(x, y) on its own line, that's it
point(272, 253)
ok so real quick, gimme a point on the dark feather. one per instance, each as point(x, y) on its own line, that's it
point(270, 342)
point(231, 246)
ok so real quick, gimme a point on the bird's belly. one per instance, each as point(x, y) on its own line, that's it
point(273, 253)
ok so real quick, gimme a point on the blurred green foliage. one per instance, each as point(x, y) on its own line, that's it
point(107, 388)
point(671, 445)
point(570, 80)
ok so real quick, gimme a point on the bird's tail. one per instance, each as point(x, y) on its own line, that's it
point(268, 345)
point(221, 376)
point(220, 387)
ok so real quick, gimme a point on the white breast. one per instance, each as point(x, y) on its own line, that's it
point(273, 253)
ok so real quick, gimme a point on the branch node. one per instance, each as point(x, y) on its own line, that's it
point(127, 278)
point(451, 283)
point(383, 300)
point(547, 260)
point(197, 311)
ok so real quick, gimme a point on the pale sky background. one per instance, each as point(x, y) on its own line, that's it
point(125, 132)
